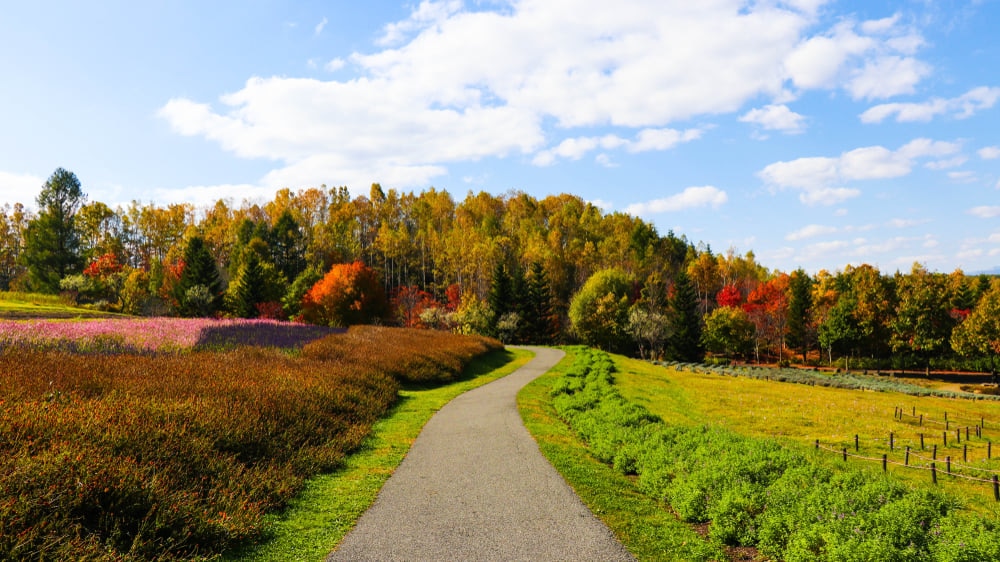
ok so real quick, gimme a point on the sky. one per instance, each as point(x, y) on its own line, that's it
point(814, 133)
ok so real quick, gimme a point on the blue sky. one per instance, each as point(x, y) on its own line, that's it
point(815, 133)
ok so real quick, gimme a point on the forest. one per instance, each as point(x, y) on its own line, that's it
point(522, 269)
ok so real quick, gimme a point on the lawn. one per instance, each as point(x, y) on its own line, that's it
point(800, 414)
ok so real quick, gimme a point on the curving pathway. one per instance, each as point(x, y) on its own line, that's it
point(474, 486)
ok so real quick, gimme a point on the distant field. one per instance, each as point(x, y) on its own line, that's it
point(33, 305)
point(800, 414)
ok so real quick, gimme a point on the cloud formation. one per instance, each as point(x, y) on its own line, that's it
point(690, 198)
point(961, 107)
point(536, 78)
point(821, 180)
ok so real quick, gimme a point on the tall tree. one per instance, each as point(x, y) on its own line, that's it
point(685, 343)
point(199, 270)
point(52, 249)
point(923, 324)
point(538, 309)
point(979, 334)
point(799, 311)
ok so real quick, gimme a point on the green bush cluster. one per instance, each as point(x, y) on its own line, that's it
point(756, 492)
point(850, 380)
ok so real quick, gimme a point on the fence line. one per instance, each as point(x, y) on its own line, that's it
point(933, 469)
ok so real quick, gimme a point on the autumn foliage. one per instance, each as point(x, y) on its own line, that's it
point(348, 294)
point(179, 456)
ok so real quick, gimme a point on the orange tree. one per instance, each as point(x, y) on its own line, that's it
point(348, 294)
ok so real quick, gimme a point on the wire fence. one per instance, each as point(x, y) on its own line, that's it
point(951, 468)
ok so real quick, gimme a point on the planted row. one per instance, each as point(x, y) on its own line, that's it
point(153, 335)
point(181, 456)
point(755, 492)
point(848, 380)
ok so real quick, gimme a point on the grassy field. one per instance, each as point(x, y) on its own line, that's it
point(732, 457)
point(329, 506)
point(799, 415)
point(647, 530)
point(32, 305)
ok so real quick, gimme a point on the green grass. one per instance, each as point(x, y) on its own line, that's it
point(646, 529)
point(14, 305)
point(329, 506)
point(797, 415)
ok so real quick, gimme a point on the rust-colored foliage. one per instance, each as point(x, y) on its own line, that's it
point(179, 456)
point(103, 267)
point(729, 296)
point(349, 294)
point(409, 303)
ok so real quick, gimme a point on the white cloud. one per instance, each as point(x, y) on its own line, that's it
point(20, 187)
point(887, 76)
point(690, 198)
point(319, 26)
point(985, 211)
point(964, 176)
point(453, 84)
point(960, 107)
point(775, 118)
point(810, 231)
point(426, 15)
point(906, 223)
point(989, 152)
point(646, 140)
point(821, 179)
point(947, 163)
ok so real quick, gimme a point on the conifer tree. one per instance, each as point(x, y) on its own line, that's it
point(685, 344)
point(199, 270)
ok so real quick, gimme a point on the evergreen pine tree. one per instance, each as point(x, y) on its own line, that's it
point(538, 309)
point(685, 344)
point(199, 269)
point(499, 297)
point(799, 305)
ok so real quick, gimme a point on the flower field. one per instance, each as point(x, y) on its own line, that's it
point(158, 335)
point(180, 455)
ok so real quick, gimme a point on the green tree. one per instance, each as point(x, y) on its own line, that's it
point(685, 343)
point(839, 331)
point(52, 248)
point(799, 312)
point(288, 246)
point(728, 332)
point(979, 334)
point(538, 307)
point(598, 313)
point(258, 282)
point(199, 269)
point(923, 324)
point(501, 295)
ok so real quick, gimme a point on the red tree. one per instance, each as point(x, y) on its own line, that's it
point(409, 303)
point(729, 296)
point(767, 307)
point(348, 294)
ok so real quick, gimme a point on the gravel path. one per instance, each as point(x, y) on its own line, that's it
point(474, 486)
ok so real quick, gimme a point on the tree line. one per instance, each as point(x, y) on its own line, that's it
point(512, 266)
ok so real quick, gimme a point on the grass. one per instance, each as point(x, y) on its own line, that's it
point(647, 530)
point(14, 305)
point(799, 415)
point(319, 518)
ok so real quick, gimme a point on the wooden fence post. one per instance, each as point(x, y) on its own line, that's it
point(934, 455)
point(947, 465)
point(933, 473)
point(856, 443)
point(884, 467)
point(965, 453)
point(921, 441)
point(996, 488)
point(907, 461)
point(944, 438)
point(845, 453)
